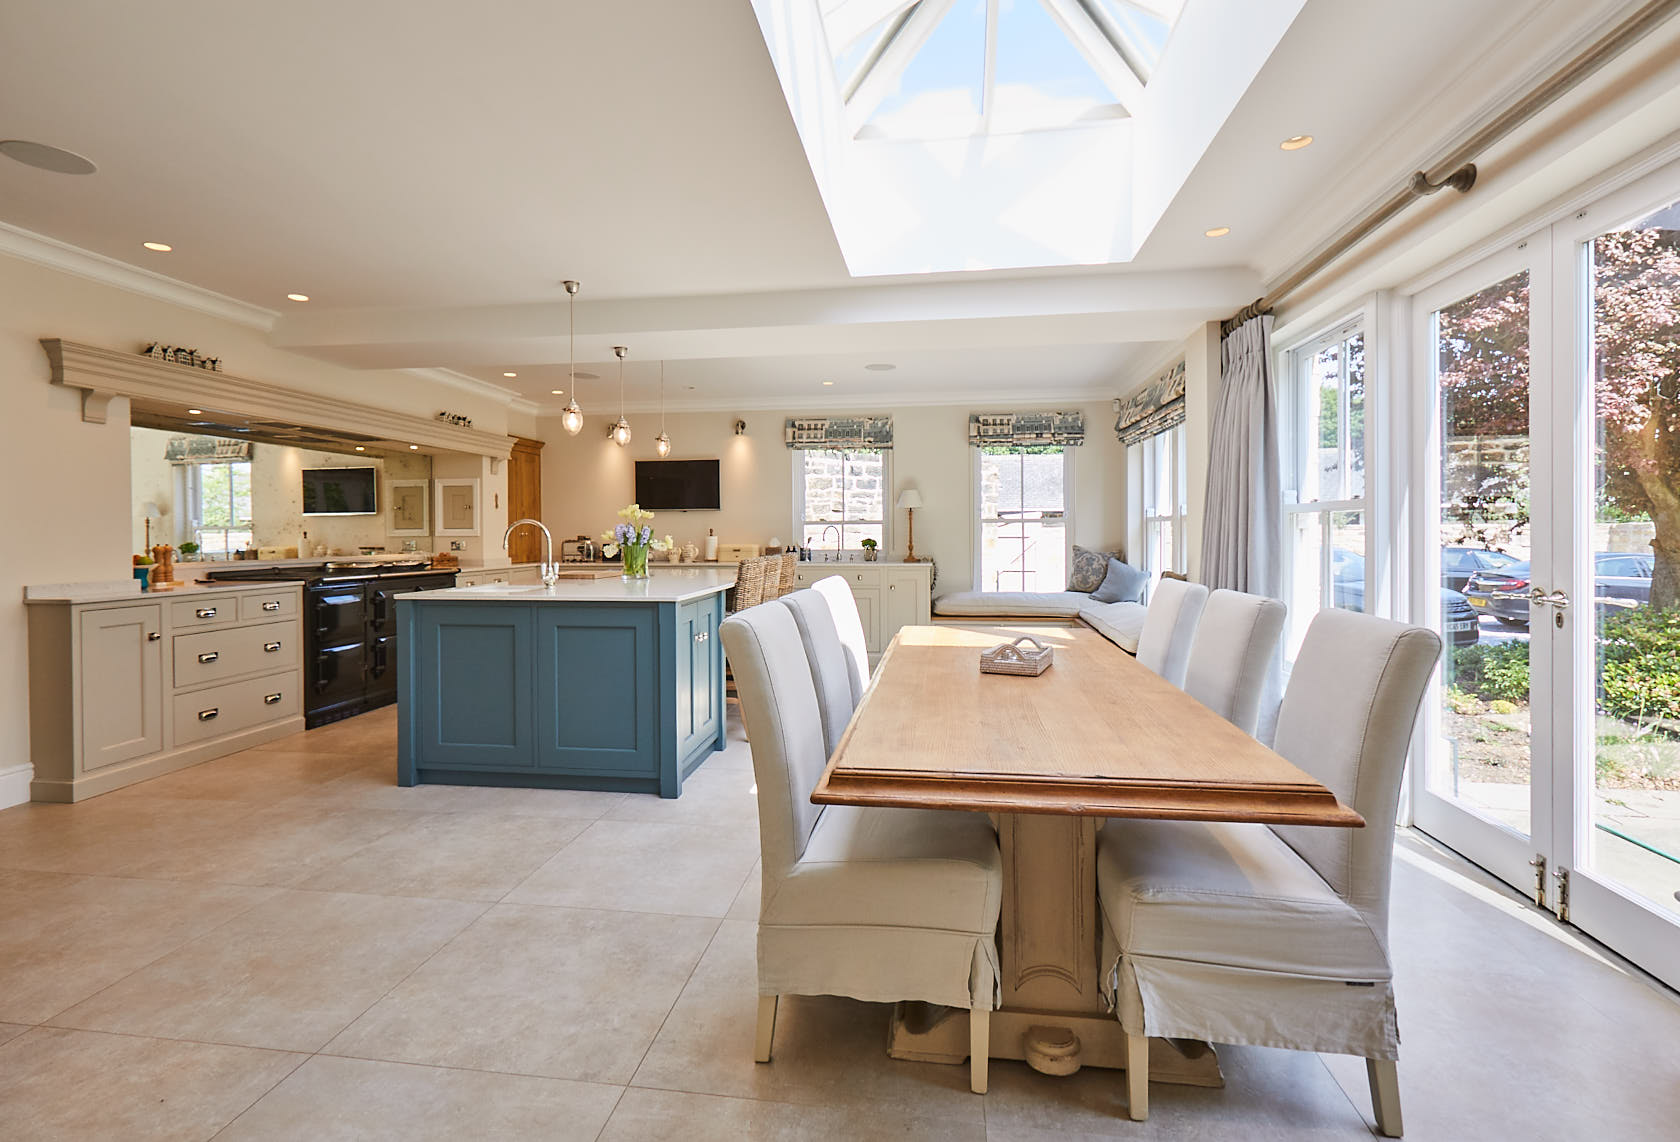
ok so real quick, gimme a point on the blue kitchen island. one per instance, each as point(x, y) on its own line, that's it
point(589, 684)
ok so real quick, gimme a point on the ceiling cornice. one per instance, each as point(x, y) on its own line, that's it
point(52, 253)
point(876, 403)
point(467, 383)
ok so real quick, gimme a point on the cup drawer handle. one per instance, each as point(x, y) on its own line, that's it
point(209, 715)
point(271, 605)
point(271, 699)
point(209, 656)
point(271, 647)
point(702, 636)
point(206, 612)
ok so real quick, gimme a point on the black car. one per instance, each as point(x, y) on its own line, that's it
point(1621, 579)
point(1459, 563)
point(1458, 619)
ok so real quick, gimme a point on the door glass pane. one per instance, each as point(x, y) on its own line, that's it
point(1635, 559)
point(1481, 362)
point(1023, 524)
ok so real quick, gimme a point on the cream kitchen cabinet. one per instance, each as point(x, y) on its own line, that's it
point(124, 686)
point(889, 596)
point(518, 575)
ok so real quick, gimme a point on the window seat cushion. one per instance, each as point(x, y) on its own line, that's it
point(1011, 604)
point(1119, 623)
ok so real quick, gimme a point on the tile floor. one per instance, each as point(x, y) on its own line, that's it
point(285, 945)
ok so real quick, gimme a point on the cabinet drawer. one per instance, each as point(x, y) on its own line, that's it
point(210, 656)
point(236, 706)
point(262, 606)
point(202, 614)
point(857, 576)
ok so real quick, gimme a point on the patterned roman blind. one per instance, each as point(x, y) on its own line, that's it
point(1153, 409)
point(205, 450)
point(1027, 428)
point(839, 432)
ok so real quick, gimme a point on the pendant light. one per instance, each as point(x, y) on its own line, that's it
point(662, 442)
point(620, 432)
point(572, 419)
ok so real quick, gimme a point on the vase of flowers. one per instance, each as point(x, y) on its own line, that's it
point(634, 538)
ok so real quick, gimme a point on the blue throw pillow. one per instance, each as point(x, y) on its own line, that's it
point(1123, 584)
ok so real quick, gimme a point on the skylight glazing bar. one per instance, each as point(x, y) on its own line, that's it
point(1099, 51)
point(887, 62)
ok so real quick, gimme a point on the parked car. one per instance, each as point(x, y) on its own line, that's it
point(1459, 621)
point(1459, 563)
point(1621, 579)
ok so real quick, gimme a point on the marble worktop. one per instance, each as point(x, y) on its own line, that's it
point(672, 584)
point(128, 590)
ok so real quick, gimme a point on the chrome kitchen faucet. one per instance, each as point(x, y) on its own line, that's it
point(550, 569)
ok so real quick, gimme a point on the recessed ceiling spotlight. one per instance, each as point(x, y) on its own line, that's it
point(43, 157)
point(297, 297)
point(160, 247)
point(1296, 142)
point(556, 392)
point(414, 448)
point(881, 367)
point(510, 374)
point(359, 448)
point(828, 382)
point(195, 412)
point(1217, 232)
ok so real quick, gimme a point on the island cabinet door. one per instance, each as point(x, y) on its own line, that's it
point(473, 690)
point(596, 678)
point(698, 672)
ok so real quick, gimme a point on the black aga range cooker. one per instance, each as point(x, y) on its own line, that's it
point(349, 629)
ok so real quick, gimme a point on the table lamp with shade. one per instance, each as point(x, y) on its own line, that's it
point(910, 499)
point(150, 510)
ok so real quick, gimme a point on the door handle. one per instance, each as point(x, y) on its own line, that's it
point(153, 636)
point(206, 612)
point(1558, 599)
point(271, 647)
point(209, 715)
point(209, 657)
point(271, 605)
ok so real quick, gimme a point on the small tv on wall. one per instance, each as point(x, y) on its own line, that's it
point(677, 485)
point(340, 491)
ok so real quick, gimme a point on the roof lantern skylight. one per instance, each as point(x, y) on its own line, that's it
point(941, 68)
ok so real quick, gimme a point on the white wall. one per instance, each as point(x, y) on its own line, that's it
point(587, 478)
point(67, 517)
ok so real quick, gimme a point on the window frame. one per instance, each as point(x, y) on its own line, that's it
point(1177, 439)
point(195, 505)
point(978, 535)
point(888, 500)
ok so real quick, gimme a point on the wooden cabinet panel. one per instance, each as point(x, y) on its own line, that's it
point(121, 680)
point(597, 708)
point(524, 499)
point(474, 711)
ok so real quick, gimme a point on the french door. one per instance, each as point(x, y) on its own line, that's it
point(1549, 433)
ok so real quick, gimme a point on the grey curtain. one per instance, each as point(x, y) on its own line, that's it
point(1242, 526)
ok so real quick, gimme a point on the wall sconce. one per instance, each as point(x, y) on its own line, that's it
point(740, 428)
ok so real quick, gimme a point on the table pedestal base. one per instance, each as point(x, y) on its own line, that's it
point(926, 1033)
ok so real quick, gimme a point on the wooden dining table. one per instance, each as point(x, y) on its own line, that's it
point(1097, 735)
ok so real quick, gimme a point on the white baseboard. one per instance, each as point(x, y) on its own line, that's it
point(14, 784)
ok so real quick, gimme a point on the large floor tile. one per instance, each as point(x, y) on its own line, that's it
point(78, 1085)
point(373, 788)
point(253, 776)
point(828, 1051)
point(288, 974)
point(675, 1116)
point(451, 856)
point(567, 993)
point(639, 866)
point(10, 1031)
point(332, 1099)
point(111, 836)
point(748, 899)
point(63, 938)
point(276, 845)
point(720, 797)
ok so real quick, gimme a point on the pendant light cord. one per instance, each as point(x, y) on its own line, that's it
point(662, 398)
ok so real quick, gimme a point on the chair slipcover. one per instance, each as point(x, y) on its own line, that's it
point(1231, 655)
point(831, 667)
point(1175, 611)
point(850, 625)
point(875, 904)
point(1277, 937)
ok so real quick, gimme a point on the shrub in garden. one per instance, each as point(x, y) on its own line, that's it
point(1639, 664)
point(1496, 672)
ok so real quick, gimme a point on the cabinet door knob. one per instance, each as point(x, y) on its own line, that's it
point(272, 605)
point(152, 636)
point(701, 637)
point(206, 612)
point(209, 715)
point(210, 657)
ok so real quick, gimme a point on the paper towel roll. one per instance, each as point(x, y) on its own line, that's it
point(711, 547)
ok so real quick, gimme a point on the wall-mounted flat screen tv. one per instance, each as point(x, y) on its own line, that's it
point(340, 491)
point(677, 485)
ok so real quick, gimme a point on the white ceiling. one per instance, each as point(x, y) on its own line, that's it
point(428, 170)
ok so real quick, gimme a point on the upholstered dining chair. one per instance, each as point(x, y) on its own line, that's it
point(1231, 655)
point(876, 904)
point(1277, 936)
point(850, 625)
point(1169, 626)
point(831, 668)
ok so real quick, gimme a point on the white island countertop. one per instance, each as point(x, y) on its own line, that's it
point(670, 585)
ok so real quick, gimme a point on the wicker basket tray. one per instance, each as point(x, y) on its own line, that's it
point(1013, 658)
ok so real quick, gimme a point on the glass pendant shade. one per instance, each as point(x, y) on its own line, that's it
point(662, 445)
point(621, 432)
point(572, 419)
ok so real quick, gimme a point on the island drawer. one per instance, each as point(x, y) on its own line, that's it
point(265, 606)
point(236, 706)
point(204, 613)
point(209, 656)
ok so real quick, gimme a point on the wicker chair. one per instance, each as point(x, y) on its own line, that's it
point(749, 585)
point(790, 567)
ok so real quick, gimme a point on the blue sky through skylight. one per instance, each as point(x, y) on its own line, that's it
point(1035, 57)
point(944, 79)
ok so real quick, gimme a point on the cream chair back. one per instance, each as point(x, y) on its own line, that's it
point(847, 621)
point(1169, 626)
point(784, 724)
point(1231, 655)
point(831, 669)
point(1347, 719)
